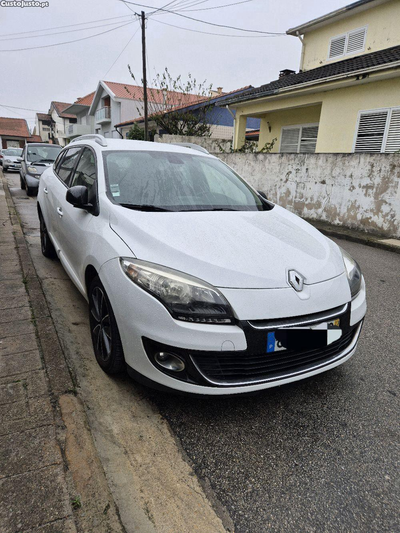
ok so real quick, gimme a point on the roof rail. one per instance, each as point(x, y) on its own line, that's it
point(95, 136)
point(193, 147)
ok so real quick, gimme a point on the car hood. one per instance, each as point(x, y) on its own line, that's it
point(12, 158)
point(231, 249)
point(40, 167)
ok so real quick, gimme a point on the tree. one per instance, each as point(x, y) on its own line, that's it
point(168, 97)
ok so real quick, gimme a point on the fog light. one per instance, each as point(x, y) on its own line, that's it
point(169, 361)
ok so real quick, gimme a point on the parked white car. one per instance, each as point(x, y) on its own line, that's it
point(194, 280)
point(11, 159)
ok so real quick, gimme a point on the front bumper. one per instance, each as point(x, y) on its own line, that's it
point(32, 181)
point(227, 359)
point(11, 166)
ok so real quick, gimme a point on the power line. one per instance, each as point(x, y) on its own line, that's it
point(22, 108)
point(67, 42)
point(123, 50)
point(217, 34)
point(66, 26)
point(204, 21)
point(218, 7)
point(60, 32)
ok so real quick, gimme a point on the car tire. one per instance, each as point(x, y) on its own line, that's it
point(107, 345)
point(30, 191)
point(22, 183)
point(46, 245)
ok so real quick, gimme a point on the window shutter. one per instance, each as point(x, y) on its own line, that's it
point(355, 41)
point(393, 137)
point(308, 140)
point(290, 140)
point(337, 47)
point(371, 130)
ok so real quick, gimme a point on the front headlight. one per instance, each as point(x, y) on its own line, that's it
point(8, 161)
point(186, 297)
point(353, 271)
point(33, 170)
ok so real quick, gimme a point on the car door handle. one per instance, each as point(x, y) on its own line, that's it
point(60, 211)
point(45, 190)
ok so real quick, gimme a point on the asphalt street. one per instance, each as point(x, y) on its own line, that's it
point(320, 455)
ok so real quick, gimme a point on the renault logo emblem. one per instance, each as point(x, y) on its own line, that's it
point(296, 280)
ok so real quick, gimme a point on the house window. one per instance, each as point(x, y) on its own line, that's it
point(300, 139)
point(348, 43)
point(378, 131)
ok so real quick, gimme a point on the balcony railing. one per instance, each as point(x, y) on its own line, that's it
point(103, 114)
point(74, 130)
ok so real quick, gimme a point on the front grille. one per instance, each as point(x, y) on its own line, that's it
point(244, 368)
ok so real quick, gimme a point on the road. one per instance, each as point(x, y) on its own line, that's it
point(318, 455)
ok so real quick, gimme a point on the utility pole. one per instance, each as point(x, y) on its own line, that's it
point(146, 125)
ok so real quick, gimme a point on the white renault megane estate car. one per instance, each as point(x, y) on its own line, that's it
point(195, 281)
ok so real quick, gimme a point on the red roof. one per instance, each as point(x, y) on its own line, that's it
point(86, 100)
point(196, 100)
point(59, 107)
point(43, 116)
point(14, 127)
point(34, 139)
point(135, 92)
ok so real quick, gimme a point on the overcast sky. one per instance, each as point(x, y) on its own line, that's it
point(32, 78)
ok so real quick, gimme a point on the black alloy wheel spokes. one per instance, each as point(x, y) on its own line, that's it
point(101, 326)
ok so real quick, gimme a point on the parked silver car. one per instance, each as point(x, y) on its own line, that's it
point(11, 158)
point(36, 157)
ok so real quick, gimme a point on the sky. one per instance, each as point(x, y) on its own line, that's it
point(33, 77)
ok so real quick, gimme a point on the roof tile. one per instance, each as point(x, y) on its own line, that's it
point(14, 127)
point(59, 107)
point(346, 66)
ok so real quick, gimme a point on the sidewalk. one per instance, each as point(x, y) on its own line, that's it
point(361, 237)
point(50, 476)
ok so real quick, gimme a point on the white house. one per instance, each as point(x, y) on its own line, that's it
point(114, 103)
point(84, 121)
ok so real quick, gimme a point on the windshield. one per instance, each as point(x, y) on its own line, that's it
point(16, 152)
point(46, 153)
point(168, 181)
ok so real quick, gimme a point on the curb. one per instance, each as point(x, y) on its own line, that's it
point(353, 236)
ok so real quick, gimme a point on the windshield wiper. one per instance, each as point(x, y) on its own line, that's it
point(44, 161)
point(144, 207)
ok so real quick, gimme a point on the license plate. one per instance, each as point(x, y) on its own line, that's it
point(305, 337)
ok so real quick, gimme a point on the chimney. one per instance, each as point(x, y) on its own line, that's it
point(286, 72)
point(219, 89)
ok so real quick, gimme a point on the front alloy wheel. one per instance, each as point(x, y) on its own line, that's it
point(106, 340)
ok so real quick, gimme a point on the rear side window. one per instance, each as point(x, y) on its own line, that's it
point(67, 164)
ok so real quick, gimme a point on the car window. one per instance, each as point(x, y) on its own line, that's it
point(68, 163)
point(42, 153)
point(57, 162)
point(85, 173)
point(177, 182)
point(13, 152)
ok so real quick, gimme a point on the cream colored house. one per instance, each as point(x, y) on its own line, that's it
point(346, 96)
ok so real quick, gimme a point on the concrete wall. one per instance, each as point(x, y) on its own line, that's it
point(209, 143)
point(359, 191)
point(382, 32)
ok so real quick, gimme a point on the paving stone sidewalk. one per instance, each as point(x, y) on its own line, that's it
point(33, 485)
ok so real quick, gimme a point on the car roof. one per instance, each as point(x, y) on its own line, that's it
point(125, 144)
point(44, 144)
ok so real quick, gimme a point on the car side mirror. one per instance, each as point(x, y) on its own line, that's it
point(20, 159)
point(262, 193)
point(78, 196)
